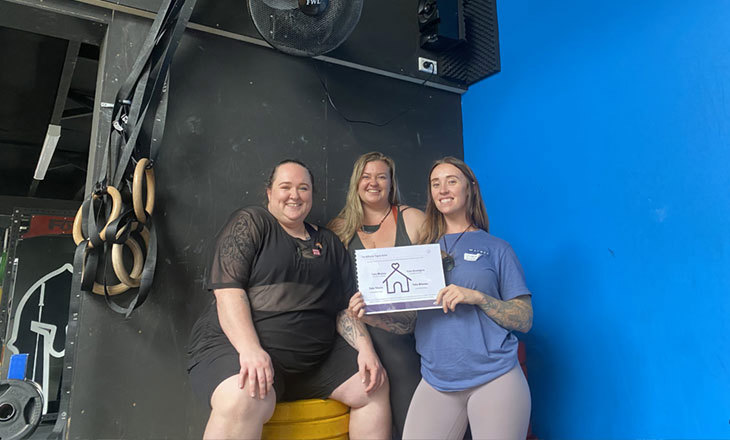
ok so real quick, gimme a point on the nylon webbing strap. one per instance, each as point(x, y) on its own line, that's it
point(140, 105)
point(140, 108)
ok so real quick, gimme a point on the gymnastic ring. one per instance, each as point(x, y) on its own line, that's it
point(145, 233)
point(149, 174)
point(77, 232)
point(118, 261)
point(136, 270)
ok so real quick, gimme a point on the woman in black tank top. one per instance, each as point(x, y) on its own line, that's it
point(373, 218)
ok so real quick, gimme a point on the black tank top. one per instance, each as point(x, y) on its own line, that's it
point(397, 352)
point(401, 235)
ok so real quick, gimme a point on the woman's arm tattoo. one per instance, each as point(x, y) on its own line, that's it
point(350, 329)
point(399, 323)
point(515, 314)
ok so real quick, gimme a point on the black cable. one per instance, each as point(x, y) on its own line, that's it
point(360, 121)
point(67, 165)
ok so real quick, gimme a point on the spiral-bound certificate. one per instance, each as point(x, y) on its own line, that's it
point(399, 278)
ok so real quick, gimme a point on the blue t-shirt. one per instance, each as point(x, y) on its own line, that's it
point(466, 348)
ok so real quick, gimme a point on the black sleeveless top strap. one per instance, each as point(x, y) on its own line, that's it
point(401, 234)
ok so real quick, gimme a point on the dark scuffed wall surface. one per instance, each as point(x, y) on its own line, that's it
point(235, 110)
point(386, 37)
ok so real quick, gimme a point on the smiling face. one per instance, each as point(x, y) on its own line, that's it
point(290, 194)
point(374, 186)
point(449, 190)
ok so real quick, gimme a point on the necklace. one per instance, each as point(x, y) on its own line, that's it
point(371, 229)
point(446, 258)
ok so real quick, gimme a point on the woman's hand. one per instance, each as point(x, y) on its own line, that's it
point(256, 367)
point(452, 295)
point(372, 373)
point(356, 309)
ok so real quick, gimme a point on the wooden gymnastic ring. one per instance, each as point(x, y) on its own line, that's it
point(118, 262)
point(145, 233)
point(77, 232)
point(78, 235)
point(136, 271)
point(149, 174)
point(117, 256)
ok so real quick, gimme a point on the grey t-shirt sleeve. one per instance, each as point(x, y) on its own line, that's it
point(235, 249)
point(511, 276)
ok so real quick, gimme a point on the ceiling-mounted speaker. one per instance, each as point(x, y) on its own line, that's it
point(305, 27)
point(476, 55)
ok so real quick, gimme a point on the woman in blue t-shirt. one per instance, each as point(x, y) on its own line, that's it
point(468, 349)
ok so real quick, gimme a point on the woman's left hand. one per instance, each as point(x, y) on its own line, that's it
point(452, 295)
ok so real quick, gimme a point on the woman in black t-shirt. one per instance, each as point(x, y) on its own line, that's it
point(281, 286)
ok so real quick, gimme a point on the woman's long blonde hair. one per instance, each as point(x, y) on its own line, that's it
point(349, 220)
point(435, 226)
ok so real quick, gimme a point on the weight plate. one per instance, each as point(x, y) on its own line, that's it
point(21, 408)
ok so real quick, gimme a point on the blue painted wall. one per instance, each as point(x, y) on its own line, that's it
point(603, 152)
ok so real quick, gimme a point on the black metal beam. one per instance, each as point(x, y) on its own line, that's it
point(34, 16)
point(76, 113)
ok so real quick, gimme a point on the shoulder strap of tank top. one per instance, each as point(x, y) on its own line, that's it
point(401, 234)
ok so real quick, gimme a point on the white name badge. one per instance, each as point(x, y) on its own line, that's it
point(471, 257)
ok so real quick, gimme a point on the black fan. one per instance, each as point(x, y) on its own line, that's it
point(305, 27)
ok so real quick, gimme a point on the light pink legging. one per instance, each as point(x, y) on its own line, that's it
point(497, 410)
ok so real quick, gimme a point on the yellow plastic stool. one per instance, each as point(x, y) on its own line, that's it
point(312, 419)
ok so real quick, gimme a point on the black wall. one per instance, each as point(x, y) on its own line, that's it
point(235, 110)
point(386, 37)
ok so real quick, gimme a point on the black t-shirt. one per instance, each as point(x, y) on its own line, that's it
point(295, 287)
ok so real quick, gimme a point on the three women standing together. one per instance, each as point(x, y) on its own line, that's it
point(465, 352)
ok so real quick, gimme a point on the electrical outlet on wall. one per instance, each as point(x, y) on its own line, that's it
point(428, 66)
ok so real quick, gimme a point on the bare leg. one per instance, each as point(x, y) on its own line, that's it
point(500, 409)
point(369, 413)
point(235, 414)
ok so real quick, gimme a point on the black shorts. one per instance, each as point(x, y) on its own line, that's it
point(317, 383)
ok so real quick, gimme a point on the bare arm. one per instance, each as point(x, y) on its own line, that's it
point(399, 323)
point(513, 314)
point(413, 219)
point(234, 314)
point(354, 332)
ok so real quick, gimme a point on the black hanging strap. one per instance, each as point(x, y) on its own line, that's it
point(142, 94)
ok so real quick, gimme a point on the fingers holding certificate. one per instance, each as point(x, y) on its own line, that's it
point(398, 279)
point(356, 308)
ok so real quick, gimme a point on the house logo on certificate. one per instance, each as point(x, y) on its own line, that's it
point(397, 279)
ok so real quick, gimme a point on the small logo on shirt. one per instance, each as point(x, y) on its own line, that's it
point(317, 249)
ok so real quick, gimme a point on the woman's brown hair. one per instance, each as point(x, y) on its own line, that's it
point(435, 226)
